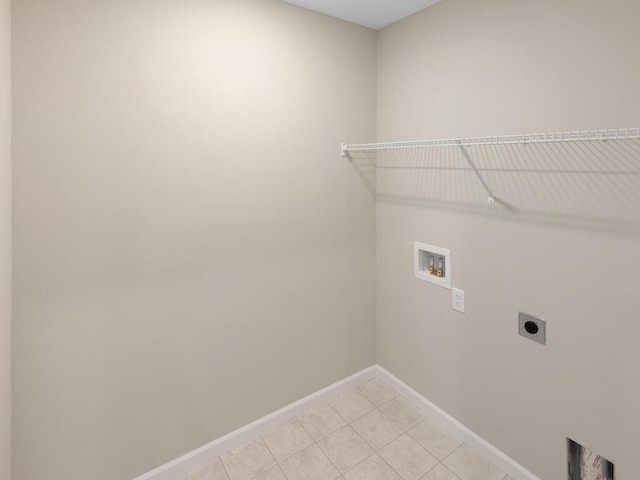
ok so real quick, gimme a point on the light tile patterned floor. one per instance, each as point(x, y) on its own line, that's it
point(368, 433)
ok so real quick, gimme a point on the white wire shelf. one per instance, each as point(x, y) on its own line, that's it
point(466, 146)
point(522, 139)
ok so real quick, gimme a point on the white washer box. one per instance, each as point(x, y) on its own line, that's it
point(421, 254)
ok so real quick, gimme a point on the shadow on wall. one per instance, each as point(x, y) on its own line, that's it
point(576, 184)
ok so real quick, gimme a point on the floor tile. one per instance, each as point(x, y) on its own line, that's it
point(321, 421)
point(376, 428)
point(376, 391)
point(403, 412)
point(440, 472)
point(408, 458)
point(211, 471)
point(309, 464)
point(351, 405)
point(432, 436)
point(248, 461)
point(345, 448)
point(287, 439)
point(373, 468)
point(274, 473)
point(469, 465)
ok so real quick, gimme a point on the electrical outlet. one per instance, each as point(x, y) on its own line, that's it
point(458, 299)
point(533, 328)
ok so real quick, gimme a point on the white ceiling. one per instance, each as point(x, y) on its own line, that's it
point(374, 14)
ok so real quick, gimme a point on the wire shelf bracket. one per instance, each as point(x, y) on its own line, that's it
point(467, 157)
point(345, 153)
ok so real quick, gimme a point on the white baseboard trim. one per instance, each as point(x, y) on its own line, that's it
point(205, 454)
point(480, 445)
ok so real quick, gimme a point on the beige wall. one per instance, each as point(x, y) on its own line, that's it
point(5, 240)
point(191, 251)
point(465, 68)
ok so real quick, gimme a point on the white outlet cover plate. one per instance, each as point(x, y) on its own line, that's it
point(420, 269)
point(457, 299)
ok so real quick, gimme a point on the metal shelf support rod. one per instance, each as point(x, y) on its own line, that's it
point(492, 197)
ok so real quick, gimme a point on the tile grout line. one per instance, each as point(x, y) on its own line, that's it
point(346, 424)
point(315, 442)
point(394, 438)
point(451, 452)
point(359, 416)
point(476, 444)
point(226, 470)
point(377, 407)
point(401, 427)
point(331, 461)
point(375, 454)
point(332, 431)
point(462, 443)
point(375, 451)
point(506, 475)
point(272, 455)
point(190, 462)
point(449, 470)
point(403, 430)
point(278, 462)
point(424, 473)
point(439, 459)
point(277, 465)
point(430, 470)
